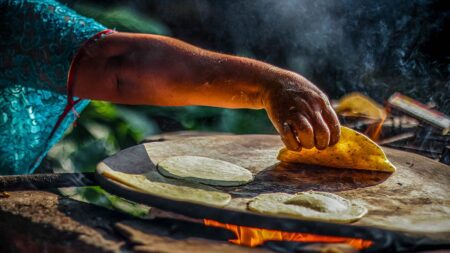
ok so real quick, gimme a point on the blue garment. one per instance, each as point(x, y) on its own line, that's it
point(38, 40)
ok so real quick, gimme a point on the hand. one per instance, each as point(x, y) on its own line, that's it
point(301, 113)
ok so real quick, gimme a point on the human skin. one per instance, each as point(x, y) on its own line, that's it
point(130, 68)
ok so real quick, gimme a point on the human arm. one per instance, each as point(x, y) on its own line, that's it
point(156, 70)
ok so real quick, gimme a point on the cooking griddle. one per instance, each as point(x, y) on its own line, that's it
point(410, 203)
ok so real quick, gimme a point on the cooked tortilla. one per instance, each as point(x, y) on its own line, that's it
point(357, 104)
point(316, 206)
point(179, 190)
point(204, 170)
point(353, 151)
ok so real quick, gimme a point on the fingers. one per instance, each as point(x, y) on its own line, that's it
point(310, 121)
point(333, 125)
point(316, 129)
point(288, 137)
point(304, 132)
point(321, 131)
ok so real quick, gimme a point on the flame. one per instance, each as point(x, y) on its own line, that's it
point(374, 130)
point(250, 236)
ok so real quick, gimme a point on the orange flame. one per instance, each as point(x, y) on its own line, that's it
point(250, 236)
point(374, 130)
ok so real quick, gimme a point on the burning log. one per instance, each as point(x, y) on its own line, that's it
point(420, 111)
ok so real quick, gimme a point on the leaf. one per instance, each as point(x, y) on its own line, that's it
point(122, 19)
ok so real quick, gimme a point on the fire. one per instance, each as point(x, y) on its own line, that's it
point(374, 130)
point(250, 236)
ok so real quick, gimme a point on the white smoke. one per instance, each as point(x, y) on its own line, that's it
point(377, 47)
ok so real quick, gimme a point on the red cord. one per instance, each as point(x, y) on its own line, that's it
point(70, 106)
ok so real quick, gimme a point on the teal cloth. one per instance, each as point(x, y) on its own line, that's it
point(38, 40)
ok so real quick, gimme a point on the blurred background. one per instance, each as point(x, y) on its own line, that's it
point(374, 47)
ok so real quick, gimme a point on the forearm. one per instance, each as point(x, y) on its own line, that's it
point(156, 70)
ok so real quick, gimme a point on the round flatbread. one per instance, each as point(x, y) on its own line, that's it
point(353, 151)
point(204, 170)
point(316, 206)
point(179, 190)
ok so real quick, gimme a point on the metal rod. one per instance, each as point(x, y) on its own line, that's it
point(46, 181)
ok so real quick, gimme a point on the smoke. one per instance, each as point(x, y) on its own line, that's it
point(376, 47)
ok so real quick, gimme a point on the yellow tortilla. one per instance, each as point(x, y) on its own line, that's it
point(353, 151)
point(204, 170)
point(179, 190)
point(357, 104)
point(312, 205)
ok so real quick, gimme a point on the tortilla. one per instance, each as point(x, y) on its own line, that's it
point(357, 104)
point(204, 170)
point(353, 151)
point(312, 205)
point(178, 190)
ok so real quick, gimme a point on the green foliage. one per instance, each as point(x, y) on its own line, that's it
point(102, 130)
point(213, 119)
point(98, 196)
point(122, 18)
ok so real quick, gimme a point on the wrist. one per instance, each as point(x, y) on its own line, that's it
point(274, 81)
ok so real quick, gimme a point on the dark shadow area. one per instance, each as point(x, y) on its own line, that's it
point(133, 160)
point(292, 178)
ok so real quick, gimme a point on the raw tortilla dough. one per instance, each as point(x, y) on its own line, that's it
point(353, 151)
point(316, 206)
point(179, 190)
point(204, 170)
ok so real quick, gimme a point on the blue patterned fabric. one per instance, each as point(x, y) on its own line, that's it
point(38, 40)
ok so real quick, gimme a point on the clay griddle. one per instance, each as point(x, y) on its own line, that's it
point(413, 201)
